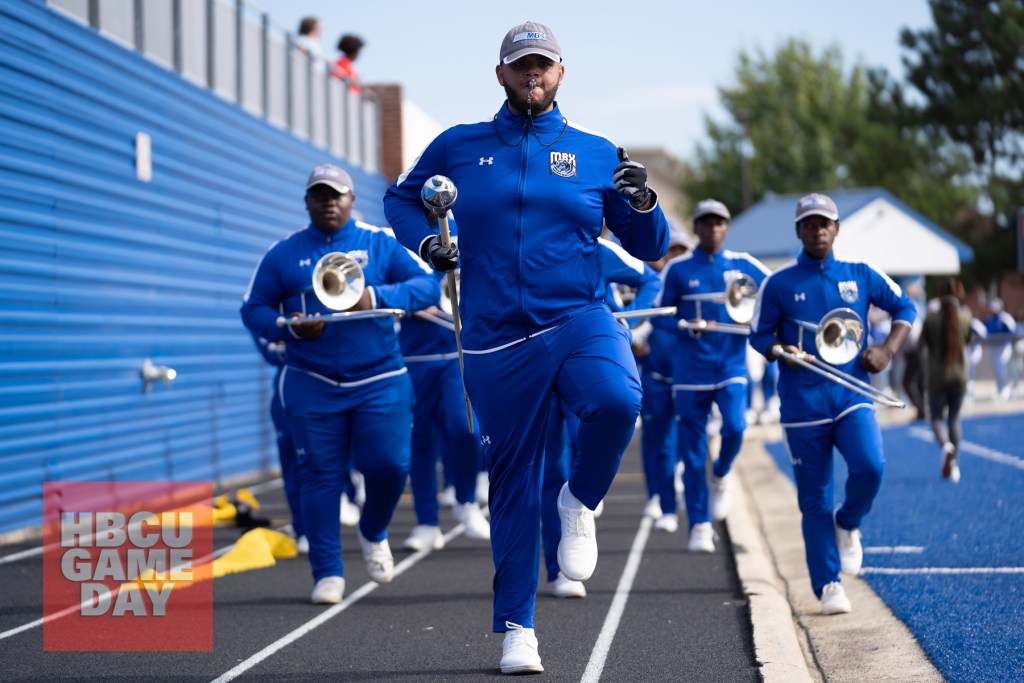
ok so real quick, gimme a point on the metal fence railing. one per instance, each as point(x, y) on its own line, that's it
point(236, 50)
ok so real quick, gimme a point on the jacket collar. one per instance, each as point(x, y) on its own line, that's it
point(810, 262)
point(318, 236)
point(552, 121)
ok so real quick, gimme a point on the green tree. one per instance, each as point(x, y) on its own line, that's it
point(970, 70)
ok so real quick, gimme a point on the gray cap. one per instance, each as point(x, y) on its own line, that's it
point(678, 238)
point(816, 205)
point(711, 207)
point(331, 176)
point(530, 38)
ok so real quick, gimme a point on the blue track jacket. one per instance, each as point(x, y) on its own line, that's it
point(622, 269)
point(347, 351)
point(710, 360)
point(806, 289)
point(531, 202)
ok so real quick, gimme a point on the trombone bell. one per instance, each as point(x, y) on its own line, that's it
point(338, 281)
point(839, 336)
point(740, 299)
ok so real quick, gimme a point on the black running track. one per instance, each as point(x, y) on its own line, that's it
point(683, 619)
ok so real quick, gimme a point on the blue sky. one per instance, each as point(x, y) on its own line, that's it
point(643, 72)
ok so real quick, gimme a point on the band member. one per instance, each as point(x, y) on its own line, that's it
point(655, 349)
point(816, 413)
point(534, 190)
point(710, 367)
point(344, 388)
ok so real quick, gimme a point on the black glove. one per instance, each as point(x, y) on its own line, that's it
point(442, 258)
point(630, 180)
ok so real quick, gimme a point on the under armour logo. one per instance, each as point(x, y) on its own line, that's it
point(694, 283)
point(305, 262)
point(486, 160)
point(799, 296)
point(485, 440)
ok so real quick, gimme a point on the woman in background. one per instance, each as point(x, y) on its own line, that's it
point(946, 334)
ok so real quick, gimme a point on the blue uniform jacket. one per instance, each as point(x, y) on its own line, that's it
point(806, 289)
point(531, 202)
point(711, 360)
point(346, 351)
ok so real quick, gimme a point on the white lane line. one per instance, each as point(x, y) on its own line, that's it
point(893, 549)
point(38, 550)
point(973, 449)
point(893, 571)
point(73, 608)
point(329, 614)
point(611, 622)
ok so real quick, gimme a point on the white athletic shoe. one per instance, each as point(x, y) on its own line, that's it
point(851, 554)
point(653, 507)
point(483, 489)
point(834, 600)
point(577, 551)
point(424, 536)
point(470, 516)
point(379, 562)
point(950, 463)
point(702, 538)
point(519, 651)
point(302, 545)
point(447, 499)
point(668, 522)
point(328, 591)
point(349, 514)
point(564, 587)
point(721, 496)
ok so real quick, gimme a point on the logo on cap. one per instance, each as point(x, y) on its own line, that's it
point(530, 35)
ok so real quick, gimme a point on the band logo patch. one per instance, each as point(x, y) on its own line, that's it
point(563, 164)
point(848, 291)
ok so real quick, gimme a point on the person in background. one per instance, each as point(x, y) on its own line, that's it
point(710, 367)
point(344, 388)
point(1001, 328)
point(308, 40)
point(817, 414)
point(944, 337)
point(975, 350)
point(534, 191)
point(349, 46)
point(654, 349)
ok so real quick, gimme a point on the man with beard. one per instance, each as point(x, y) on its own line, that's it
point(344, 388)
point(534, 190)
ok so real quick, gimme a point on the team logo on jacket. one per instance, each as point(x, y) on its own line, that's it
point(848, 291)
point(563, 164)
point(361, 256)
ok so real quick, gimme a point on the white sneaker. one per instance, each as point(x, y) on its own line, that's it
point(519, 651)
point(721, 497)
point(379, 562)
point(653, 507)
point(564, 587)
point(483, 488)
point(328, 591)
point(950, 463)
point(447, 499)
point(302, 545)
point(702, 538)
point(424, 536)
point(349, 514)
point(470, 516)
point(599, 510)
point(577, 551)
point(834, 600)
point(669, 523)
point(851, 554)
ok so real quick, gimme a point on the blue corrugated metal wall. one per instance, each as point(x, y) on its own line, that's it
point(100, 271)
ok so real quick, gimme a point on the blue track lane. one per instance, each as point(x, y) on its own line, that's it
point(970, 624)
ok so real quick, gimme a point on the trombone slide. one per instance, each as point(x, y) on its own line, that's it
point(644, 312)
point(849, 381)
point(703, 326)
point(343, 316)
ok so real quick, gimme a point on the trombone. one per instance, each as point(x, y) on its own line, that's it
point(338, 282)
point(838, 337)
point(739, 298)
